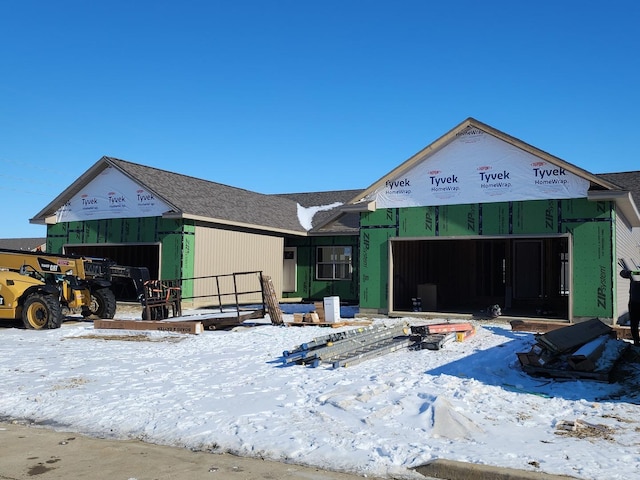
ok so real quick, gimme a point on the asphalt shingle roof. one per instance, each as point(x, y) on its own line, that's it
point(194, 196)
point(322, 220)
point(29, 244)
point(627, 181)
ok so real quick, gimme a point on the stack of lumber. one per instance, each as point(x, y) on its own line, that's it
point(436, 335)
point(587, 350)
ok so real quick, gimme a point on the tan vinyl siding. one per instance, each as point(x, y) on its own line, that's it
point(222, 252)
point(628, 248)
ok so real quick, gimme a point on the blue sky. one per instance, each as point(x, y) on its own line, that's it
point(289, 96)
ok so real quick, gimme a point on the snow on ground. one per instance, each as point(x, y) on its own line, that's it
point(230, 391)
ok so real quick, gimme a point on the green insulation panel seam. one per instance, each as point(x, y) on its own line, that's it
point(187, 240)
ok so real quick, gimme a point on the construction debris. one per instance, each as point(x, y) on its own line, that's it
point(581, 429)
point(349, 347)
point(436, 335)
point(585, 350)
point(543, 326)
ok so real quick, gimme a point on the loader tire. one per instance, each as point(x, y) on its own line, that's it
point(157, 313)
point(41, 311)
point(103, 304)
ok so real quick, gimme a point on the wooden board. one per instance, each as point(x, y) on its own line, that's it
point(177, 327)
point(436, 328)
point(329, 324)
point(536, 326)
point(562, 373)
point(275, 313)
point(533, 326)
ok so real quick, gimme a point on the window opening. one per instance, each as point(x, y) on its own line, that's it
point(333, 263)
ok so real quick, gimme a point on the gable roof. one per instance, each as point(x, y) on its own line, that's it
point(193, 198)
point(30, 244)
point(602, 187)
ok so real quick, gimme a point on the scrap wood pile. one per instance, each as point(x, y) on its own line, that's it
point(353, 346)
point(580, 429)
point(586, 350)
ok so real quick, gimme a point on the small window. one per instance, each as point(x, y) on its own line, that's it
point(333, 263)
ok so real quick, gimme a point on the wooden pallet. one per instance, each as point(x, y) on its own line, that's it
point(271, 298)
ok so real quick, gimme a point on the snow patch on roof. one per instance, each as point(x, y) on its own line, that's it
point(305, 214)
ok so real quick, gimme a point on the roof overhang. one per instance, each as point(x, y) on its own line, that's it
point(231, 223)
point(366, 206)
point(624, 203)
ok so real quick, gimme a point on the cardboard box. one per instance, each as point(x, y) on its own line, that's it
point(319, 307)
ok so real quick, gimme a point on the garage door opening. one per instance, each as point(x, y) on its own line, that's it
point(132, 255)
point(527, 277)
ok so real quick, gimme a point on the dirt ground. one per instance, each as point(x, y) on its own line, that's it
point(30, 452)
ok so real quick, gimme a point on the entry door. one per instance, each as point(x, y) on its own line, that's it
point(527, 269)
point(289, 265)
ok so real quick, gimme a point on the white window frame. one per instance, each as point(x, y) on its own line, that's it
point(340, 259)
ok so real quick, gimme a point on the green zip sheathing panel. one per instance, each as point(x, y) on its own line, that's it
point(308, 287)
point(375, 230)
point(374, 266)
point(592, 270)
point(379, 218)
point(417, 222)
point(457, 220)
point(176, 239)
point(582, 209)
point(593, 231)
point(450, 221)
point(590, 224)
point(496, 219)
point(535, 217)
